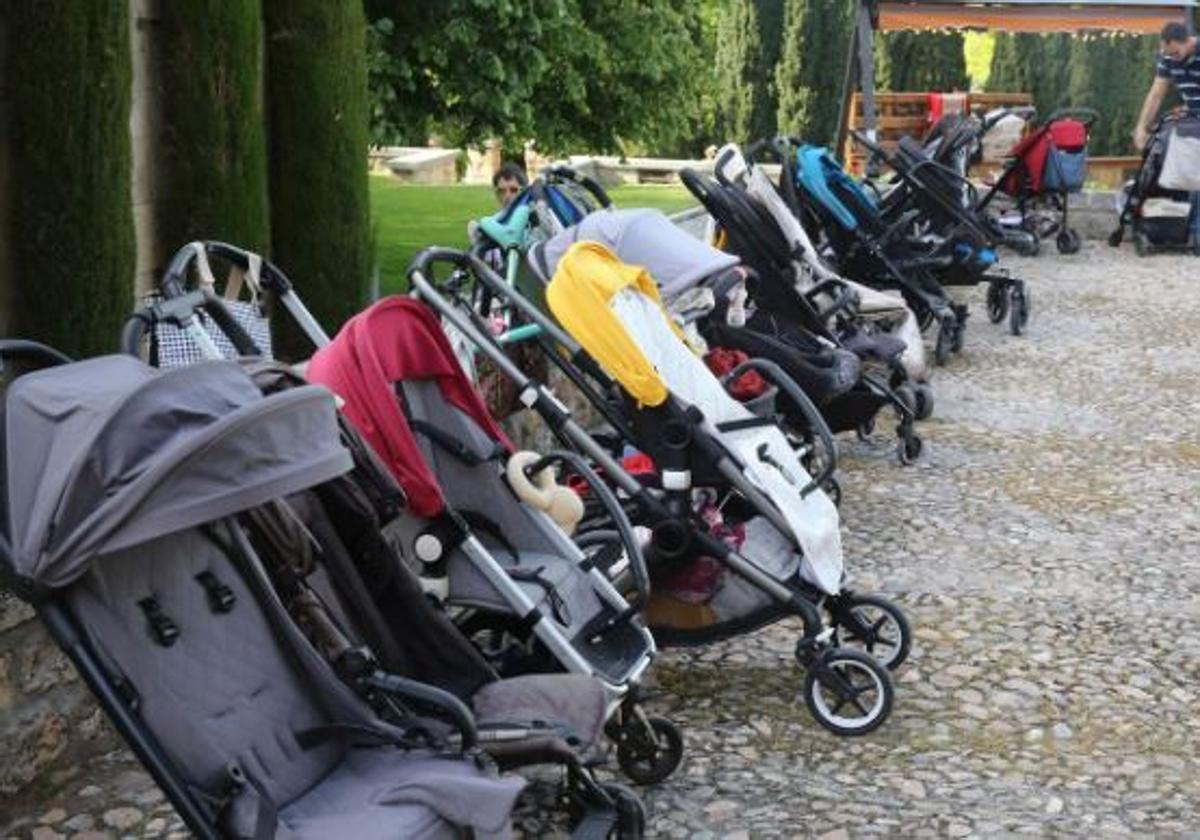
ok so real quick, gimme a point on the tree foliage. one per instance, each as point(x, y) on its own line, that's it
point(68, 81)
point(560, 72)
point(1108, 74)
point(811, 67)
point(214, 151)
point(317, 93)
point(920, 61)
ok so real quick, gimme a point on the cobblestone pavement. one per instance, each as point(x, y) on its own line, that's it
point(1048, 551)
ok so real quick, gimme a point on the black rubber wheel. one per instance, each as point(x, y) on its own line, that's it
point(631, 812)
point(881, 629)
point(1141, 244)
point(648, 758)
point(1116, 237)
point(1032, 246)
point(1018, 311)
point(1068, 241)
point(833, 489)
point(910, 448)
point(945, 341)
point(960, 336)
point(924, 394)
point(865, 429)
point(997, 302)
point(848, 692)
point(907, 395)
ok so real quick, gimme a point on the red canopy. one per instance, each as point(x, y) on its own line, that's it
point(397, 340)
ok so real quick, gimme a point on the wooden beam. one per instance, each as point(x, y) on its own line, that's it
point(1115, 18)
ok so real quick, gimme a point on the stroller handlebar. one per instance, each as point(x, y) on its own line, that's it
point(181, 311)
point(812, 414)
point(567, 173)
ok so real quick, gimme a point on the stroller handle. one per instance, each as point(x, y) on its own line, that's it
point(612, 507)
point(1087, 116)
point(182, 311)
point(40, 354)
point(262, 273)
point(566, 173)
point(788, 385)
point(441, 703)
point(419, 275)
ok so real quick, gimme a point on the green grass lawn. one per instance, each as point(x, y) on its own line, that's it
point(409, 217)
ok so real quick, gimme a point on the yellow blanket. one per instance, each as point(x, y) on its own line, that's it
point(587, 278)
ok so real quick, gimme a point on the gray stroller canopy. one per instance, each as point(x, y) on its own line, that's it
point(676, 260)
point(109, 453)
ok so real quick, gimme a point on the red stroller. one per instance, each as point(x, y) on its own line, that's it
point(1045, 168)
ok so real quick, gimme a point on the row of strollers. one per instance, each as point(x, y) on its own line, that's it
point(334, 599)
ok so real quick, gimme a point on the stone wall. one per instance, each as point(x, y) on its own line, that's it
point(47, 717)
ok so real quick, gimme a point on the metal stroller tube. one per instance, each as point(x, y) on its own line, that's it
point(271, 278)
point(624, 528)
point(181, 311)
point(811, 413)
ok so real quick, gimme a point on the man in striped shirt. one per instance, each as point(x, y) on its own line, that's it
point(1179, 64)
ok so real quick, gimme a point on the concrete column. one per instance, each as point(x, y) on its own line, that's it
point(146, 126)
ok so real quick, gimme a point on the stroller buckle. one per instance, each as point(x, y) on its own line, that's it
point(162, 628)
point(220, 597)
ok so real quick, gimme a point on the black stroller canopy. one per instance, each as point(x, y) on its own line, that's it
point(108, 453)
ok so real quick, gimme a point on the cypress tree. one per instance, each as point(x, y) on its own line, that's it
point(811, 65)
point(68, 81)
point(920, 61)
point(317, 134)
point(750, 34)
point(214, 155)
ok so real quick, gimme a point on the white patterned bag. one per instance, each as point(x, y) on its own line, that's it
point(175, 348)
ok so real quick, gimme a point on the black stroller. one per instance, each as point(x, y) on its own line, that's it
point(1158, 206)
point(781, 325)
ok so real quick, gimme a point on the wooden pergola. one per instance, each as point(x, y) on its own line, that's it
point(1042, 16)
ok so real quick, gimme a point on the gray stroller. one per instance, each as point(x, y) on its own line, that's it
point(478, 522)
point(122, 530)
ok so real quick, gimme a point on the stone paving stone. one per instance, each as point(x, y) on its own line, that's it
point(1047, 549)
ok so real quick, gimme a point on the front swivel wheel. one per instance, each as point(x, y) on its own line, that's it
point(649, 749)
point(848, 692)
point(871, 624)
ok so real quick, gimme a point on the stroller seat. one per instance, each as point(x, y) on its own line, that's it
point(253, 712)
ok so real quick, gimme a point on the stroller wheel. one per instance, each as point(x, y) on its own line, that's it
point(997, 302)
point(865, 429)
point(1115, 238)
point(907, 395)
point(1018, 316)
point(1030, 244)
point(649, 750)
point(945, 340)
point(924, 406)
point(848, 692)
point(833, 489)
point(910, 447)
point(873, 625)
point(1141, 244)
point(1068, 241)
point(960, 335)
point(631, 812)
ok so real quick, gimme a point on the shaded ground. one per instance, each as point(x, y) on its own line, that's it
point(1048, 550)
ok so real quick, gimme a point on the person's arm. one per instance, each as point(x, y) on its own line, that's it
point(1154, 100)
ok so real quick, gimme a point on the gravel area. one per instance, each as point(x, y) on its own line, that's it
point(1047, 548)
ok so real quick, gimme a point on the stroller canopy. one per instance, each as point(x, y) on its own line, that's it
point(397, 340)
point(816, 172)
point(676, 259)
point(109, 453)
point(589, 275)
